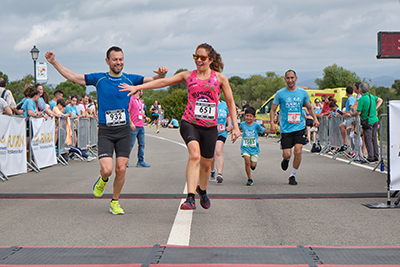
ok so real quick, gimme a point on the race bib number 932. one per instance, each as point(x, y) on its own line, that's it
point(115, 117)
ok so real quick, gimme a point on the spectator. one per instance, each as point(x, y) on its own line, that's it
point(41, 104)
point(325, 108)
point(309, 125)
point(174, 123)
point(346, 125)
point(59, 108)
point(317, 106)
point(92, 107)
point(58, 94)
point(4, 108)
point(8, 97)
point(71, 108)
point(165, 122)
point(356, 89)
point(335, 110)
point(29, 105)
point(46, 99)
point(367, 109)
point(244, 107)
point(238, 113)
point(80, 107)
point(136, 117)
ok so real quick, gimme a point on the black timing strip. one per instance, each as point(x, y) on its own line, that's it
point(180, 196)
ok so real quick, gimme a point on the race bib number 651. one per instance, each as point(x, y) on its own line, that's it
point(115, 117)
point(204, 110)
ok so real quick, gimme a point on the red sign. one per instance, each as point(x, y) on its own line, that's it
point(388, 45)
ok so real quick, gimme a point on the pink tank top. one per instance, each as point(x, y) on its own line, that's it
point(203, 96)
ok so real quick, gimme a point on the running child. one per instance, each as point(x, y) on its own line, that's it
point(250, 147)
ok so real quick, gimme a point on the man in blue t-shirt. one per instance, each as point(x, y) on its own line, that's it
point(114, 130)
point(291, 100)
point(344, 126)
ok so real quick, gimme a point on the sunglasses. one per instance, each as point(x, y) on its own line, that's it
point(202, 58)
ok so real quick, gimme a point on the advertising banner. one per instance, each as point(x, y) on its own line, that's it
point(41, 70)
point(12, 145)
point(43, 147)
point(394, 141)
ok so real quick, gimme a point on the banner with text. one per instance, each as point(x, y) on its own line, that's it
point(394, 141)
point(12, 145)
point(42, 143)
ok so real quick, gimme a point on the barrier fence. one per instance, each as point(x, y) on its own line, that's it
point(45, 142)
point(331, 140)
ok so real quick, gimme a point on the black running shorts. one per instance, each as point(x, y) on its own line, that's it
point(205, 136)
point(221, 138)
point(116, 138)
point(288, 140)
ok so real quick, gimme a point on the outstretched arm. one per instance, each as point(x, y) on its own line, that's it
point(158, 83)
point(161, 72)
point(66, 73)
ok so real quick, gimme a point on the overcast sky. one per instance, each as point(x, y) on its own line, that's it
point(253, 37)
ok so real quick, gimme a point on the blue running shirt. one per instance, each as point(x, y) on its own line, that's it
point(290, 114)
point(250, 137)
point(110, 100)
point(223, 114)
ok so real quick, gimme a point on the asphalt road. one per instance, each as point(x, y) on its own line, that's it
point(55, 207)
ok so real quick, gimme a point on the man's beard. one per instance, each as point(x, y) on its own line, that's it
point(115, 71)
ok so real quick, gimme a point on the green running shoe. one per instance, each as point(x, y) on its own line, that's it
point(115, 208)
point(98, 187)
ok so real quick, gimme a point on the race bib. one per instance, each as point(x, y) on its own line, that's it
point(204, 110)
point(221, 128)
point(115, 117)
point(249, 141)
point(293, 117)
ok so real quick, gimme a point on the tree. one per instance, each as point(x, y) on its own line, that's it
point(181, 86)
point(18, 87)
point(256, 89)
point(335, 76)
point(93, 94)
point(174, 104)
point(5, 76)
point(70, 88)
point(396, 87)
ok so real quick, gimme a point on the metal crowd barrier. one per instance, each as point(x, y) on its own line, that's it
point(330, 138)
point(62, 139)
point(323, 134)
point(383, 143)
point(87, 134)
point(31, 164)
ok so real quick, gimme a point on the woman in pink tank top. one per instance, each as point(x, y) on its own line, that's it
point(199, 121)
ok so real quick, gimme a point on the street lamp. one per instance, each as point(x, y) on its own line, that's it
point(35, 55)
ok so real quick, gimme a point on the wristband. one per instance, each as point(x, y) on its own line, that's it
point(163, 75)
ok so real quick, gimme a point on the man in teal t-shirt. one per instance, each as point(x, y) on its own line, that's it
point(370, 103)
point(291, 100)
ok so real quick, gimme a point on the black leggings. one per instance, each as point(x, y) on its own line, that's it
point(205, 136)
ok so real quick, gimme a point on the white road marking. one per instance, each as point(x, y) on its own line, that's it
point(180, 231)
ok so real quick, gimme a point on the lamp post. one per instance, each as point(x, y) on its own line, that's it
point(35, 55)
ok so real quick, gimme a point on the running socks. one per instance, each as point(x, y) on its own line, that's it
point(190, 196)
point(294, 171)
point(202, 192)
